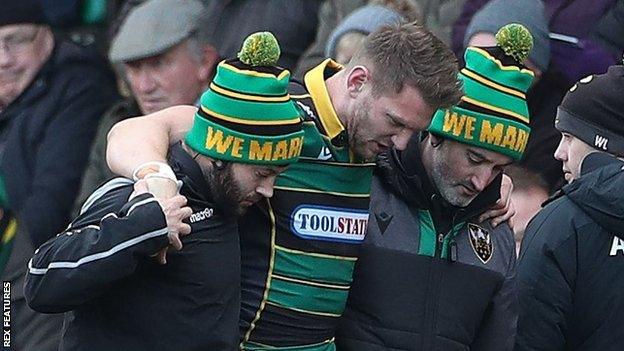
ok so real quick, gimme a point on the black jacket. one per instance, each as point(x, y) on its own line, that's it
point(45, 136)
point(429, 277)
point(117, 297)
point(571, 268)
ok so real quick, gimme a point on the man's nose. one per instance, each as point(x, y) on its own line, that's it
point(401, 139)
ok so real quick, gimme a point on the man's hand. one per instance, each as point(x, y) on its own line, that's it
point(504, 209)
point(175, 211)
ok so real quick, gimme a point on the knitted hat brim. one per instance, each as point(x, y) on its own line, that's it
point(590, 133)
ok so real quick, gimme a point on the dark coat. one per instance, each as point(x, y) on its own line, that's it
point(429, 276)
point(571, 267)
point(117, 297)
point(46, 135)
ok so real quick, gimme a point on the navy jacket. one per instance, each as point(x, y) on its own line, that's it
point(571, 267)
point(117, 297)
point(45, 137)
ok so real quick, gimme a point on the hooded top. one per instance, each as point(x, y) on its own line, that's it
point(571, 268)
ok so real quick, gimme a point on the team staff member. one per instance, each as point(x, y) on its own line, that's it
point(100, 270)
point(571, 268)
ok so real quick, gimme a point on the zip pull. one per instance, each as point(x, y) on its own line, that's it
point(440, 238)
point(453, 250)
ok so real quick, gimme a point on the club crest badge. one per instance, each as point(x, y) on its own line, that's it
point(481, 242)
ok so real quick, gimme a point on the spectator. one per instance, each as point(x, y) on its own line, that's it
point(437, 16)
point(171, 68)
point(571, 268)
point(52, 94)
point(529, 193)
point(348, 37)
point(293, 22)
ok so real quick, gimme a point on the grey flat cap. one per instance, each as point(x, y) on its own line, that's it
point(154, 27)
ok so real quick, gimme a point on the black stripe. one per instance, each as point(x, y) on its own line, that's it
point(260, 130)
point(247, 100)
point(274, 70)
point(496, 82)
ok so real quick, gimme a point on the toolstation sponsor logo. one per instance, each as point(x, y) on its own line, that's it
point(329, 223)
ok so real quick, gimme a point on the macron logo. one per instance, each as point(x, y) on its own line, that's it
point(201, 215)
point(601, 142)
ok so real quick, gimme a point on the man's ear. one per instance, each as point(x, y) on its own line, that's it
point(435, 140)
point(210, 56)
point(358, 76)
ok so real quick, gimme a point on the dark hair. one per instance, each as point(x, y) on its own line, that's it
point(408, 54)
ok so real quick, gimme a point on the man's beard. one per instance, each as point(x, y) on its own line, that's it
point(358, 135)
point(445, 184)
point(224, 191)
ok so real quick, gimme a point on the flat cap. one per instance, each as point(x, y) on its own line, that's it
point(155, 26)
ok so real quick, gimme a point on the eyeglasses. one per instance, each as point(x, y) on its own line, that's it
point(18, 42)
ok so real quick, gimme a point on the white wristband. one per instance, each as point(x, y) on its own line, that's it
point(161, 168)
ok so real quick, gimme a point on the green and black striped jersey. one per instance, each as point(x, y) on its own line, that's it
point(299, 248)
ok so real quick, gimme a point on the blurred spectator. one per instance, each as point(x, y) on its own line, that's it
point(293, 22)
point(52, 93)
point(546, 92)
point(437, 15)
point(574, 26)
point(529, 193)
point(347, 38)
point(610, 28)
point(497, 13)
point(171, 68)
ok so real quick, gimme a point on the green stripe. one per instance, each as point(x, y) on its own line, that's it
point(491, 96)
point(427, 234)
point(249, 110)
point(448, 238)
point(313, 268)
point(321, 346)
point(265, 86)
point(327, 178)
point(511, 78)
point(309, 298)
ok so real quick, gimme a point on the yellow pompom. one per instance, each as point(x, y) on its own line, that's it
point(515, 40)
point(260, 49)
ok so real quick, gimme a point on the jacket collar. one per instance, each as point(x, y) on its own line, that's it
point(315, 84)
point(404, 173)
point(186, 169)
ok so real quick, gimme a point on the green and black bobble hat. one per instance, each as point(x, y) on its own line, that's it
point(493, 112)
point(247, 115)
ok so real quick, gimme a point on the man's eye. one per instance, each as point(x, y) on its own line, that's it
point(474, 160)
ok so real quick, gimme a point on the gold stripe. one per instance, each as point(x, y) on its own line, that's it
point(302, 96)
point(315, 83)
point(325, 314)
point(308, 282)
point(497, 109)
point(9, 233)
point(267, 287)
point(248, 97)
point(254, 73)
point(500, 64)
point(250, 122)
point(314, 254)
point(492, 84)
point(319, 192)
